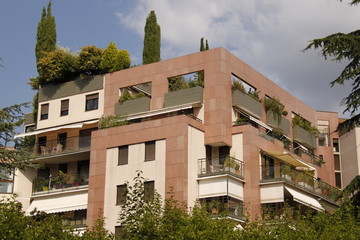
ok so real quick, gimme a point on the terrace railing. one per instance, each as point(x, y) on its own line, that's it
point(220, 165)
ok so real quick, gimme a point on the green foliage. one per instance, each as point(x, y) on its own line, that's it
point(177, 83)
point(202, 46)
point(10, 119)
point(127, 96)
point(112, 121)
point(15, 225)
point(305, 124)
point(108, 58)
point(57, 66)
point(154, 219)
point(344, 46)
point(237, 85)
point(89, 60)
point(122, 61)
point(152, 40)
point(274, 105)
point(46, 34)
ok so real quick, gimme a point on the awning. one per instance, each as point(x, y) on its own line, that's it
point(160, 111)
point(288, 158)
point(260, 123)
point(59, 203)
point(305, 199)
point(75, 125)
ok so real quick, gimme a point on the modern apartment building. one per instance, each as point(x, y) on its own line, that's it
point(211, 143)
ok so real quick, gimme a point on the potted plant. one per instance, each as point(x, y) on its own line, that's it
point(61, 179)
point(285, 171)
point(78, 180)
point(214, 207)
point(39, 183)
point(230, 163)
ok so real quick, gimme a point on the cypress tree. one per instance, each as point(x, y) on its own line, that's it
point(202, 44)
point(151, 51)
point(207, 45)
point(46, 34)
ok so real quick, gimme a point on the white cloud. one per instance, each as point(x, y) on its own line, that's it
point(267, 34)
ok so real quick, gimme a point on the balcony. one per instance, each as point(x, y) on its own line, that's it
point(184, 96)
point(60, 183)
point(299, 179)
point(220, 166)
point(133, 106)
point(53, 148)
point(283, 123)
point(247, 103)
point(224, 206)
point(304, 137)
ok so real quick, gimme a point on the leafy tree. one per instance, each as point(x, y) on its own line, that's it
point(152, 38)
point(10, 158)
point(122, 61)
point(344, 46)
point(89, 60)
point(177, 83)
point(57, 66)
point(46, 34)
point(108, 58)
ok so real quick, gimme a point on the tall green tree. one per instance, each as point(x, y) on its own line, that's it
point(89, 60)
point(344, 46)
point(19, 157)
point(152, 38)
point(46, 33)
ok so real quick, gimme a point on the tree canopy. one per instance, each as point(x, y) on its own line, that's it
point(46, 33)
point(152, 40)
point(344, 46)
point(19, 157)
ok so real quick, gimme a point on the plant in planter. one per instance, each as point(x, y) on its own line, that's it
point(61, 179)
point(230, 163)
point(305, 124)
point(39, 183)
point(285, 171)
point(78, 180)
point(275, 106)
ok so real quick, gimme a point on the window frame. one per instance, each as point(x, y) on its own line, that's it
point(44, 111)
point(92, 102)
point(121, 157)
point(7, 178)
point(150, 152)
point(64, 107)
point(149, 185)
point(121, 199)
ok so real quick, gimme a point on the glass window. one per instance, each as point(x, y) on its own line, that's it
point(337, 162)
point(92, 102)
point(6, 181)
point(64, 107)
point(123, 155)
point(338, 179)
point(150, 151)
point(336, 145)
point(120, 194)
point(149, 190)
point(44, 112)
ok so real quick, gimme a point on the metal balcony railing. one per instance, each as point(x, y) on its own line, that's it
point(224, 206)
point(220, 165)
point(68, 145)
point(60, 182)
point(301, 179)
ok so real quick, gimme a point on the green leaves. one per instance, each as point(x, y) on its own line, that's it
point(152, 40)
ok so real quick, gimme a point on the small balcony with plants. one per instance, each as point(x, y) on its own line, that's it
point(276, 115)
point(134, 99)
point(301, 179)
point(185, 89)
point(224, 206)
point(246, 98)
point(304, 132)
point(60, 183)
point(220, 166)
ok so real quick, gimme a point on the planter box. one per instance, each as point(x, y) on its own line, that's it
point(247, 103)
point(133, 106)
point(273, 121)
point(304, 137)
point(184, 96)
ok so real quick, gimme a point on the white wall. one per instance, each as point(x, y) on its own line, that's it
point(272, 193)
point(119, 174)
point(237, 149)
point(196, 150)
point(77, 111)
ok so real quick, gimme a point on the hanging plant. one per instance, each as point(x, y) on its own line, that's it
point(275, 106)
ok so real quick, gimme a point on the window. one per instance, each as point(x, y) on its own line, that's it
point(121, 194)
point(149, 190)
point(336, 145)
point(44, 113)
point(123, 155)
point(64, 107)
point(6, 182)
point(150, 151)
point(61, 146)
point(338, 179)
point(337, 162)
point(118, 232)
point(92, 102)
point(63, 167)
point(42, 145)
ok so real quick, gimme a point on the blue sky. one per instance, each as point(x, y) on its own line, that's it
point(267, 34)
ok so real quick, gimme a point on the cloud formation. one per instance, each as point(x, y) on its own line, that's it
point(267, 34)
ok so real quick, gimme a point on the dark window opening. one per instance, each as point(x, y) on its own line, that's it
point(64, 107)
point(121, 191)
point(149, 190)
point(150, 151)
point(123, 155)
point(44, 112)
point(92, 102)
